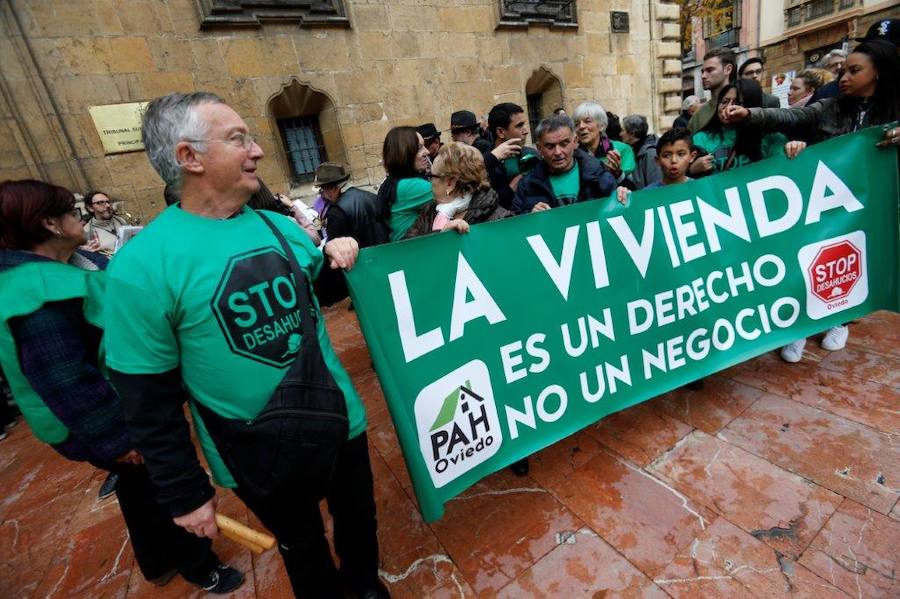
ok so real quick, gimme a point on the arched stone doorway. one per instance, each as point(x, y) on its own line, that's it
point(544, 94)
point(307, 124)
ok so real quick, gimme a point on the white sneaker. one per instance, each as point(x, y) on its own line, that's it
point(836, 338)
point(793, 352)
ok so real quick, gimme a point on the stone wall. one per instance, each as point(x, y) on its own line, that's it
point(400, 62)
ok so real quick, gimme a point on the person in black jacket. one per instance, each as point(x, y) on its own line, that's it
point(636, 133)
point(349, 212)
point(510, 160)
point(354, 212)
point(566, 173)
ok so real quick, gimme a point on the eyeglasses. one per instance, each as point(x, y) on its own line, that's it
point(101, 203)
point(431, 176)
point(238, 140)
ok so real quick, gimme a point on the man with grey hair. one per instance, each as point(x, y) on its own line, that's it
point(834, 61)
point(689, 106)
point(636, 133)
point(214, 298)
point(566, 173)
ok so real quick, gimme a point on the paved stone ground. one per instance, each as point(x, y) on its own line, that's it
point(776, 480)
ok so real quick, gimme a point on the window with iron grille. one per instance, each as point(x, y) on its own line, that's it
point(305, 149)
point(519, 13)
point(723, 15)
point(534, 102)
point(847, 4)
point(795, 16)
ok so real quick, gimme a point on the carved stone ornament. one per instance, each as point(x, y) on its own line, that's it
point(522, 13)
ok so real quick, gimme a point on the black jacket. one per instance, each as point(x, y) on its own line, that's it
point(595, 182)
point(829, 90)
point(358, 214)
point(482, 145)
point(500, 178)
point(815, 122)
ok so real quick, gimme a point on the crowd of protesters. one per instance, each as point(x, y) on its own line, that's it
point(276, 414)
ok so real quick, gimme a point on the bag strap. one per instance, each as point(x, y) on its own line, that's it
point(301, 284)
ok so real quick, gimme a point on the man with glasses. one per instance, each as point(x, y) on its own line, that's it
point(214, 298)
point(102, 229)
point(753, 69)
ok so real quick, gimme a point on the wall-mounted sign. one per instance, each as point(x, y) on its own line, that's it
point(119, 126)
point(619, 21)
point(813, 57)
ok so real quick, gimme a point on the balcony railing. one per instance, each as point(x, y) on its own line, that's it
point(799, 12)
point(729, 38)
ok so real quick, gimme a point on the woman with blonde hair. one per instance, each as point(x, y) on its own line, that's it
point(462, 193)
point(804, 85)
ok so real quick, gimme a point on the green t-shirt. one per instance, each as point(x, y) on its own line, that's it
point(565, 186)
point(720, 143)
point(413, 194)
point(214, 298)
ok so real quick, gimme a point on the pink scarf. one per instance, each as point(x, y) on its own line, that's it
point(802, 101)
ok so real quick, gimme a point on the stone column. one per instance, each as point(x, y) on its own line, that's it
point(667, 59)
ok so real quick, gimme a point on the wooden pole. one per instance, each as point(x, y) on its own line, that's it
point(244, 535)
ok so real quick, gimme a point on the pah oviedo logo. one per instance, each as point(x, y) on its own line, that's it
point(457, 423)
point(835, 274)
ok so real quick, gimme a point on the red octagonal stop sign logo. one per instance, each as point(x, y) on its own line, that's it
point(834, 271)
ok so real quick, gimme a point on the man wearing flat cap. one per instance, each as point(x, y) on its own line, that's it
point(349, 211)
point(464, 128)
point(432, 138)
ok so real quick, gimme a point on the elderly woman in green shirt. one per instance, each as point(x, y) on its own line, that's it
point(590, 127)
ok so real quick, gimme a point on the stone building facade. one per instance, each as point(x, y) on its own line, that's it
point(314, 80)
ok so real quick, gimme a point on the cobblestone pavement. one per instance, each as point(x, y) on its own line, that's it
point(776, 480)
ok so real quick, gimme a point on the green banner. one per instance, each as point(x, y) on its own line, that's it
point(493, 345)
